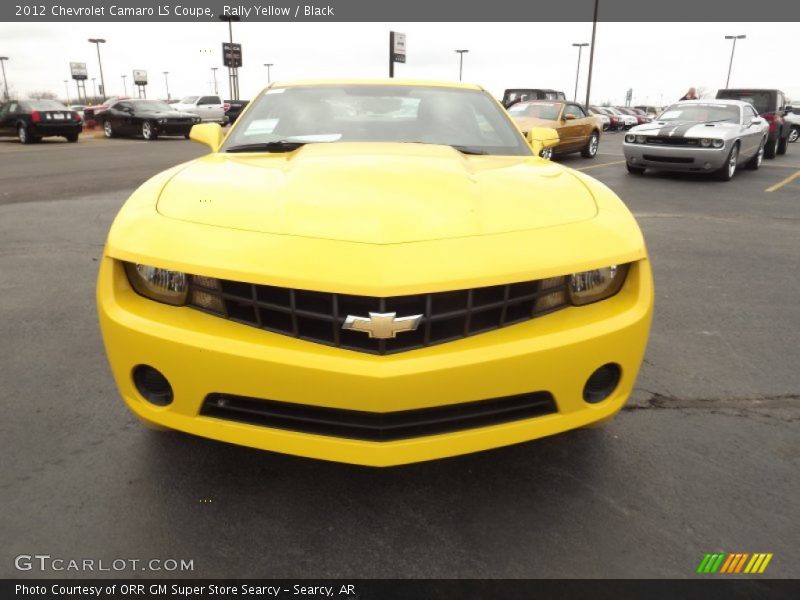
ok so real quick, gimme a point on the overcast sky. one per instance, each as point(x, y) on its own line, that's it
point(657, 60)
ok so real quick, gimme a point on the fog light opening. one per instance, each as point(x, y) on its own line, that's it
point(602, 383)
point(152, 385)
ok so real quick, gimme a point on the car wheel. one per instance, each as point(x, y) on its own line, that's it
point(148, 132)
point(772, 148)
point(22, 134)
point(728, 170)
point(546, 153)
point(782, 144)
point(794, 134)
point(187, 136)
point(755, 162)
point(108, 130)
point(634, 170)
point(72, 137)
point(590, 151)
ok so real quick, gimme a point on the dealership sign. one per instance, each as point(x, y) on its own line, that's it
point(78, 70)
point(398, 47)
point(231, 54)
point(139, 77)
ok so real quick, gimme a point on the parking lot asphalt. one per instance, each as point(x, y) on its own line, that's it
point(703, 459)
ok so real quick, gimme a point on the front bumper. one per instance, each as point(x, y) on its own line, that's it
point(173, 128)
point(201, 354)
point(676, 158)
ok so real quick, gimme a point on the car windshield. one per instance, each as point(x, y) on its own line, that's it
point(541, 110)
point(701, 113)
point(469, 120)
point(45, 105)
point(189, 100)
point(152, 105)
point(761, 100)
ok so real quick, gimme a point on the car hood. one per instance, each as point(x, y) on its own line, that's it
point(375, 193)
point(685, 129)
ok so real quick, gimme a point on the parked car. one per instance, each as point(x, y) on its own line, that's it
point(641, 116)
point(514, 95)
point(78, 108)
point(92, 112)
point(793, 119)
point(210, 109)
point(628, 121)
point(771, 105)
point(577, 131)
point(602, 117)
point(710, 136)
point(148, 118)
point(376, 291)
point(31, 120)
point(615, 121)
point(233, 108)
point(650, 111)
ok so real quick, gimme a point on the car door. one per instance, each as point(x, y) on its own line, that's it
point(4, 127)
point(751, 134)
point(572, 127)
point(124, 116)
point(210, 108)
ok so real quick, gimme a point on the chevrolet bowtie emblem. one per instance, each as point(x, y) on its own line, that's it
point(382, 326)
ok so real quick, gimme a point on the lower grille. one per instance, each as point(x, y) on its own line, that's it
point(666, 140)
point(319, 316)
point(378, 427)
point(668, 159)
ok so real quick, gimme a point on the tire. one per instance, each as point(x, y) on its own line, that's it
point(108, 129)
point(755, 162)
point(590, 150)
point(728, 170)
point(772, 148)
point(794, 134)
point(782, 144)
point(187, 136)
point(546, 153)
point(148, 133)
point(25, 137)
point(634, 170)
point(72, 138)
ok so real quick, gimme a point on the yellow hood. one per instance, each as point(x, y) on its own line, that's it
point(375, 193)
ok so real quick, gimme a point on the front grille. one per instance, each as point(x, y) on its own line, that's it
point(377, 427)
point(668, 159)
point(665, 140)
point(319, 316)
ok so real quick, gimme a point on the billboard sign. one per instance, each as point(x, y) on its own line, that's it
point(139, 77)
point(231, 54)
point(78, 70)
point(398, 47)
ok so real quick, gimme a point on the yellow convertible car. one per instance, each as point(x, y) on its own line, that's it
point(577, 130)
point(377, 273)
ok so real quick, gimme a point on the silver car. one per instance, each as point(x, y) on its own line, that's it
point(710, 136)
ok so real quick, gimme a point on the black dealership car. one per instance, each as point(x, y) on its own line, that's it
point(31, 120)
point(147, 118)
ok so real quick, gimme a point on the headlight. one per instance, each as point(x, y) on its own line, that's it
point(718, 143)
point(705, 142)
point(630, 138)
point(162, 285)
point(196, 120)
point(598, 284)
point(641, 139)
point(162, 121)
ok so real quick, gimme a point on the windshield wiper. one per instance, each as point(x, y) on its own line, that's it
point(274, 146)
point(463, 149)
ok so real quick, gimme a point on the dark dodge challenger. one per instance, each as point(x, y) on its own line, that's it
point(147, 118)
point(31, 120)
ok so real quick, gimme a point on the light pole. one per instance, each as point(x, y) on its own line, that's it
point(124, 85)
point(233, 72)
point(461, 62)
point(591, 53)
point(3, 60)
point(730, 66)
point(166, 81)
point(214, 71)
point(269, 66)
point(580, 48)
point(94, 90)
point(66, 87)
point(97, 42)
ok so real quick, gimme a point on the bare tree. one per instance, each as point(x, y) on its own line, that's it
point(43, 95)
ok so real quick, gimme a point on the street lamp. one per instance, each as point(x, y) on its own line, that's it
point(94, 89)
point(591, 53)
point(461, 62)
point(269, 66)
point(730, 66)
point(97, 42)
point(66, 87)
point(166, 81)
point(580, 48)
point(3, 60)
point(233, 73)
point(214, 71)
point(124, 85)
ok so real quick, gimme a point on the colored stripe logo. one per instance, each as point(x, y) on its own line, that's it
point(733, 563)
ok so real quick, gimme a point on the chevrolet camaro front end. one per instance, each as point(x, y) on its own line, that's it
point(374, 273)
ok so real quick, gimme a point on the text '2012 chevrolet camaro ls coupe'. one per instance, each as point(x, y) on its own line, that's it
point(375, 273)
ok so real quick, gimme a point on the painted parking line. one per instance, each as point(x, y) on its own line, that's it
point(608, 164)
point(784, 182)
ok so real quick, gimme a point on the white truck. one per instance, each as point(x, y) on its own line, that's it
point(209, 108)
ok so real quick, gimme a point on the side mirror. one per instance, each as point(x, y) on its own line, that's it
point(540, 138)
point(210, 134)
point(569, 117)
point(757, 121)
point(788, 110)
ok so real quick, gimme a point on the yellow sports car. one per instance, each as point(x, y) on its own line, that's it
point(376, 273)
point(577, 130)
